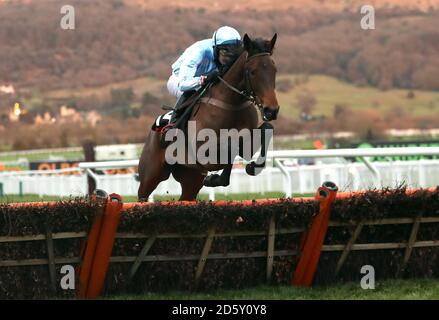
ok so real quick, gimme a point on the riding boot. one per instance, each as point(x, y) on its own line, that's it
point(174, 116)
point(178, 111)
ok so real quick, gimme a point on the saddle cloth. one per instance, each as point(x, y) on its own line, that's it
point(162, 121)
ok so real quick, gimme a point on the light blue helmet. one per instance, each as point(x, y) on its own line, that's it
point(226, 36)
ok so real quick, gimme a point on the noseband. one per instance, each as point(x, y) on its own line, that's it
point(248, 93)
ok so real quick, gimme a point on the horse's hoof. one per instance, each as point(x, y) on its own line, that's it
point(254, 169)
point(211, 181)
point(250, 169)
point(214, 180)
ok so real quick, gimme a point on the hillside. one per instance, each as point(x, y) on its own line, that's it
point(397, 108)
point(117, 41)
point(330, 92)
point(333, 75)
point(333, 5)
point(337, 106)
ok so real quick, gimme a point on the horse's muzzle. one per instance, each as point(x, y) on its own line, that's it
point(269, 113)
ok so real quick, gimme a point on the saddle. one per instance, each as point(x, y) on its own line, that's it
point(182, 111)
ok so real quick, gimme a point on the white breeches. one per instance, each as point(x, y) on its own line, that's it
point(173, 86)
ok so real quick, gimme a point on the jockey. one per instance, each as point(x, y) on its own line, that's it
point(201, 63)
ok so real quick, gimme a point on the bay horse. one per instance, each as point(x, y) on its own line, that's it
point(227, 104)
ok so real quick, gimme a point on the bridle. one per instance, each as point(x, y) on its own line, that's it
point(248, 93)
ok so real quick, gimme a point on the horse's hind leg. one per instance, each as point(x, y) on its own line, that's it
point(191, 181)
point(152, 167)
point(150, 182)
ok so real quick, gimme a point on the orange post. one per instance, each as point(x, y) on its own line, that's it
point(89, 249)
point(105, 246)
point(314, 238)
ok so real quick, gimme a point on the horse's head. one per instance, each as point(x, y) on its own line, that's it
point(260, 75)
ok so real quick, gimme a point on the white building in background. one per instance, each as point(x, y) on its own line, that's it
point(7, 89)
point(116, 152)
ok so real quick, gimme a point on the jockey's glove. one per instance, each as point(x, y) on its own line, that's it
point(212, 76)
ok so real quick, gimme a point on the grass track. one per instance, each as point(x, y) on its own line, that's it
point(239, 196)
point(412, 289)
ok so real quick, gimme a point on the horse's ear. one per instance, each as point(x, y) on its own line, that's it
point(247, 42)
point(272, 42)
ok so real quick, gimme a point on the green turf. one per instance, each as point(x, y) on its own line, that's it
point(43, 156)
point(330, 91)
point(29, 198)
point(384, 290)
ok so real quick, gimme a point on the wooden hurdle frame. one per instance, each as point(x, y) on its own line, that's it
point(210, 235)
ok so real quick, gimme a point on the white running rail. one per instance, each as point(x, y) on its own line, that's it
point(278, 176)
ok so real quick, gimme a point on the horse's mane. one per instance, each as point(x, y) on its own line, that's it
point(258, 45)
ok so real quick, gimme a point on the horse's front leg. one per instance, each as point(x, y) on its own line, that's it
point(256, 167)
point(216, 180)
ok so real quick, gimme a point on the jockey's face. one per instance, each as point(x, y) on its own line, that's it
point(228, 54)
point(223, 58)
